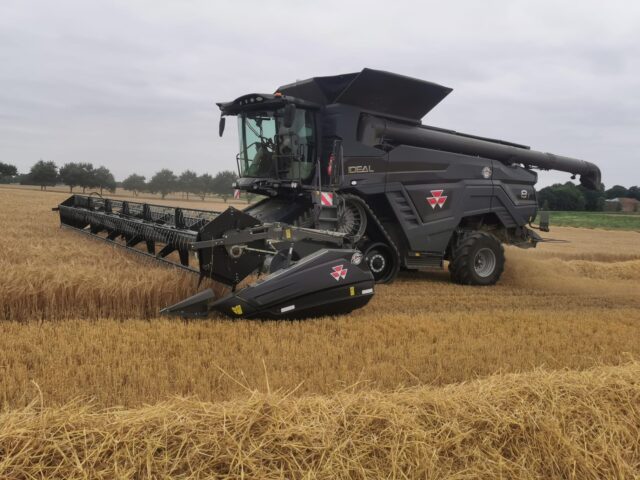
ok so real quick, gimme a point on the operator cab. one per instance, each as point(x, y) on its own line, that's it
point(278, 144)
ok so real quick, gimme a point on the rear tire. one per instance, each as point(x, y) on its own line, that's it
point(478, 260)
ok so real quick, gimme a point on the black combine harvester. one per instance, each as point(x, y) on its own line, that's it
point(356, 189)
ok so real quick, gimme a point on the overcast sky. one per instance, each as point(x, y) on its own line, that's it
point(132, 85)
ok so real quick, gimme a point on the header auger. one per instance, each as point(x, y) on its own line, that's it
point(355, 188)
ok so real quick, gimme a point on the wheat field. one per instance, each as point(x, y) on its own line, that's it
point(433, 371)
point(581, 425)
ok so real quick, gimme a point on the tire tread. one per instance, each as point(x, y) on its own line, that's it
point(460, 265)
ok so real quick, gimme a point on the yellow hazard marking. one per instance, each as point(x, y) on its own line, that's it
point(237, 309)
point(287, 233)
point(352, 291)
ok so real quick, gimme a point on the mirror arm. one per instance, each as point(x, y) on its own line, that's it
point(221, 125)
point(289, 114)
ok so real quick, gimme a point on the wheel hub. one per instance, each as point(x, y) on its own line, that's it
point(484, 262)
point(377, 263)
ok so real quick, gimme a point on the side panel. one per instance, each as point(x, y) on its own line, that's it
point(366, 174)
point(430, 191)
point(515, 200)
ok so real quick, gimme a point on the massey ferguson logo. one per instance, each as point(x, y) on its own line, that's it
point(437, 199)
point(339, 272)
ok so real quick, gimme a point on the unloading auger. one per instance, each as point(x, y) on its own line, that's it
point(305, 272)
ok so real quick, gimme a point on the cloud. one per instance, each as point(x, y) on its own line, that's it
point(132, 84)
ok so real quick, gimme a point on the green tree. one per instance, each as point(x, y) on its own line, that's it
point(634, 192)
point(103, 179)
point(223, 181)
point(567, 197)
point(44, 174)
point(204, 185)
point(134, 183)
point(547, 197)
point(188, 182)
point(21, 178)
point(7, 172)
point(78, 175)
point(594, 199)
point(163, 182)
point(617, 191)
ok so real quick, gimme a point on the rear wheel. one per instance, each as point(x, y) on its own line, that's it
point(478, 260)
point(382, 262)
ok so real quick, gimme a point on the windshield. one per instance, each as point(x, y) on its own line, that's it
point(270, 150)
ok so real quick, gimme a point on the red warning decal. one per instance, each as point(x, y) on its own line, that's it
point(326, 199)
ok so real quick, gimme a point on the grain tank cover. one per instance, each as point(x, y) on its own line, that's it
point(387, 94)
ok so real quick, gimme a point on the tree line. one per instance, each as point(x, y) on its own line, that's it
point(84, 175)
point(7, 172)
point(188, 182)
point(47, 174)
point(570, 197)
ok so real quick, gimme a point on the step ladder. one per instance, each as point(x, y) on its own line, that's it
point(328, 217)
point(326, 210)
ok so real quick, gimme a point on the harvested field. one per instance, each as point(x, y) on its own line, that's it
point(80, 336)
point(536, 425)
point(50, 273)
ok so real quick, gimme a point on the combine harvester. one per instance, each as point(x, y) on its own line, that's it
point(356, 189)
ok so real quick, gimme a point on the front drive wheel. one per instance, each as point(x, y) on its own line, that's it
point(478, 260)
point(382, 262)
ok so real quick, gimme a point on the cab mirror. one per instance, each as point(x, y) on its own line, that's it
point(289, 115)
point(221, 126)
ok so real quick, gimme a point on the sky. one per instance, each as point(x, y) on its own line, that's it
point(132, 85)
